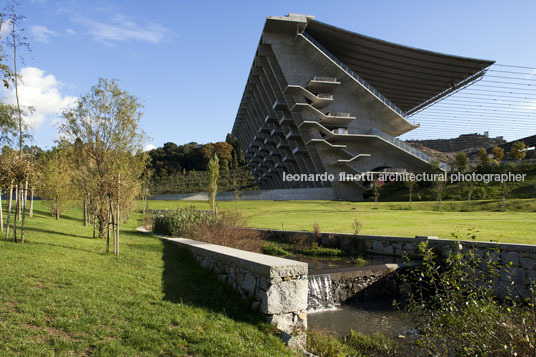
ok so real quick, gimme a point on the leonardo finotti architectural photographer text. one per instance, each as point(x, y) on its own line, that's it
point(406, 176)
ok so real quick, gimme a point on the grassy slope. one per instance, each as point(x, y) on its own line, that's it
point(60, 293)
point(516, 224)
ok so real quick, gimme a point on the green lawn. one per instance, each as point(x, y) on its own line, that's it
point(517, 224)
point(61, 294)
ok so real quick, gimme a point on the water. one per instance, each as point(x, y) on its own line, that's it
point(368, 317)
point(320, 295)
point(322, 265)
point(365, 319)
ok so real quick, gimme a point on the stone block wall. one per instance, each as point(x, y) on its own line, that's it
point(277, 286)
point(514, 280)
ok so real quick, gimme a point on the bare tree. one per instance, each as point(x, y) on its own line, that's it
point(411, 185)
point(439, 183)
point(376, 186)
point(16, 40)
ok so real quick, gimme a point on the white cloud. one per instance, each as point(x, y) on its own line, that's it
point(6, 27)
point(71, 32)
point(149, 147)
point(121, 29)
point(42, 33)
point(42, 92)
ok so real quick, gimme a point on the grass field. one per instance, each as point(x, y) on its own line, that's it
point(517, 224)
point(61, 294)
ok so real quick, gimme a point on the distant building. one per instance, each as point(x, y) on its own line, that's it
point(461, 143)
point(322, 99)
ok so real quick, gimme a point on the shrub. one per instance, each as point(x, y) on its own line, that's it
point(275, 250)
point(204, 226)
point(360, 261)
point(318, 232)
point(316, 250)
point(229, 231)
point(455, 308)
point(300, 241)
point(181, 222)
point(357, 226)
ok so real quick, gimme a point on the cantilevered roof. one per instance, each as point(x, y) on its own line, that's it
point(411, 78)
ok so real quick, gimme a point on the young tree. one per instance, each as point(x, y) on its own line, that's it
point(461, 165)
point(376, 187)
point(15, 40)
point(411, 185)
point(56, 184)
point(213, 174)
point(439, 183)
point(461, 161)
point(483, 157)
point(105, 124)
point(498, 154)
point(236, 186)
point(518, 151)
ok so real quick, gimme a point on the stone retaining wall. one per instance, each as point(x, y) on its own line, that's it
point(277, 286)
point(513, 281)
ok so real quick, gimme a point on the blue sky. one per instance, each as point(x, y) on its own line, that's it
point(188, 61)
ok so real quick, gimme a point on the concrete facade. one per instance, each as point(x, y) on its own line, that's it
point(306, 112)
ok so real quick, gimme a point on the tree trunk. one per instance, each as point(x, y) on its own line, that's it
point(1, 214)
point(10, 199)
point(31, 200)
point(117, 220)
point(410, 191)
point(85, 210)
point(17, 210)
point(23, 212)
point(15, 216)
point(25, 194)
point(94, 226)
point(503, 203)
point(108, 232)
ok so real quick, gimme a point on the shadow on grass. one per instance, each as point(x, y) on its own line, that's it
point(48, 214)
point(185, 281)
point(34, 229)
point(61, 246)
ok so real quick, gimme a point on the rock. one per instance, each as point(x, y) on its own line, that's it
point(510, 257)
point(527, 263)
point(389, 250)
point(249, 283)
point(283, 322)
point(255, 305)
point(286, 296)
point(377, 246)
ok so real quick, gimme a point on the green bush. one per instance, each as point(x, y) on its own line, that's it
point(181, 222)
point(317, 251)
point(275, 250)
point(454, 307)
